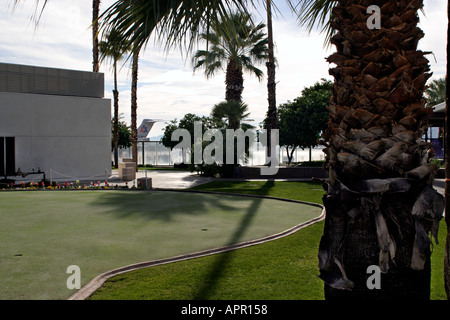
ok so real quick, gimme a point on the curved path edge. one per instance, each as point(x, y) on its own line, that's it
point(87, 290)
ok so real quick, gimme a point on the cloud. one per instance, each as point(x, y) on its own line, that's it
point(62, 39)
point(433, 22)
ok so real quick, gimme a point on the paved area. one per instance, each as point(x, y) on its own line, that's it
point(166, 179)
point(169, 179)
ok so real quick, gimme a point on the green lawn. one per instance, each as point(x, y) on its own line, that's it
point(44, 232)
point(281, 269)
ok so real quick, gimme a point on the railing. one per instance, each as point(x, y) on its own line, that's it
point(154, 153)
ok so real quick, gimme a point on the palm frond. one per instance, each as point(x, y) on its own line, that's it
point(172, 22)
point(109, 47)
point(37, 15)
point(237, 39)
point(212, 68)
point(254, 70)
point(315, 14)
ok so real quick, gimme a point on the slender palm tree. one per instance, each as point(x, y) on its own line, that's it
point(271, 84)
point(380, 202)
point(108, 48)
point(134, 80)
point(95, 43)
point(237, 43)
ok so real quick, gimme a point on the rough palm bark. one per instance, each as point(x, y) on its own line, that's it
point(234, 82)
point(380, 202)
point(134, 80)
point(271, 84)
point(116, 119)
point(95, 49)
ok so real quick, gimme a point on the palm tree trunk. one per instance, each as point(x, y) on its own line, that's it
point(234, 81)
point(271, 85)
point(380, 203)
point(95, 50)
point(447, 171)
point(134, 107)
point(116, 119)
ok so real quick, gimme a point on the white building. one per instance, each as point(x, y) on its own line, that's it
point(53, 119)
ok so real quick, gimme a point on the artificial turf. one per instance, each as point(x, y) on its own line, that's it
point(30, 266)
point(42, 233)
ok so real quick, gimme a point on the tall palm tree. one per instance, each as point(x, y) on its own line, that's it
point(134, 80)
point(237, 43)
point(271, 84)
point(133, 22)
point(108, 48)
point(95, 43)
point(380, 202)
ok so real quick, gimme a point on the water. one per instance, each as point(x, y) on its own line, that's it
point(154, 153)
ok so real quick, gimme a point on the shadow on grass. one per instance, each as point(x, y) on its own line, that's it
point(212, 281)
point(163, 205)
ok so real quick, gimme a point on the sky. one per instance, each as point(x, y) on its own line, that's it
point(167, 86)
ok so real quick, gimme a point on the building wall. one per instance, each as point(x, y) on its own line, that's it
point(62, 82)
point(70, 135)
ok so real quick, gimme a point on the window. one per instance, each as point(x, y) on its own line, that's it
point(7, 156)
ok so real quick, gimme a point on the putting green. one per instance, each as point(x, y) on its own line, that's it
point(42, 233)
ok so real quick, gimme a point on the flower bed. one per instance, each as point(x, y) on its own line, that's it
point(62, 186)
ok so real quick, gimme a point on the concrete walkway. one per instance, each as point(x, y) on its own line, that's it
point(167, 179)
point(164, 179)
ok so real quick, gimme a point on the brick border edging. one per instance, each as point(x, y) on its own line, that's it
point(88, 289)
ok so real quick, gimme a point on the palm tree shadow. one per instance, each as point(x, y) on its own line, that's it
point(211, 283)
point(160, 205)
